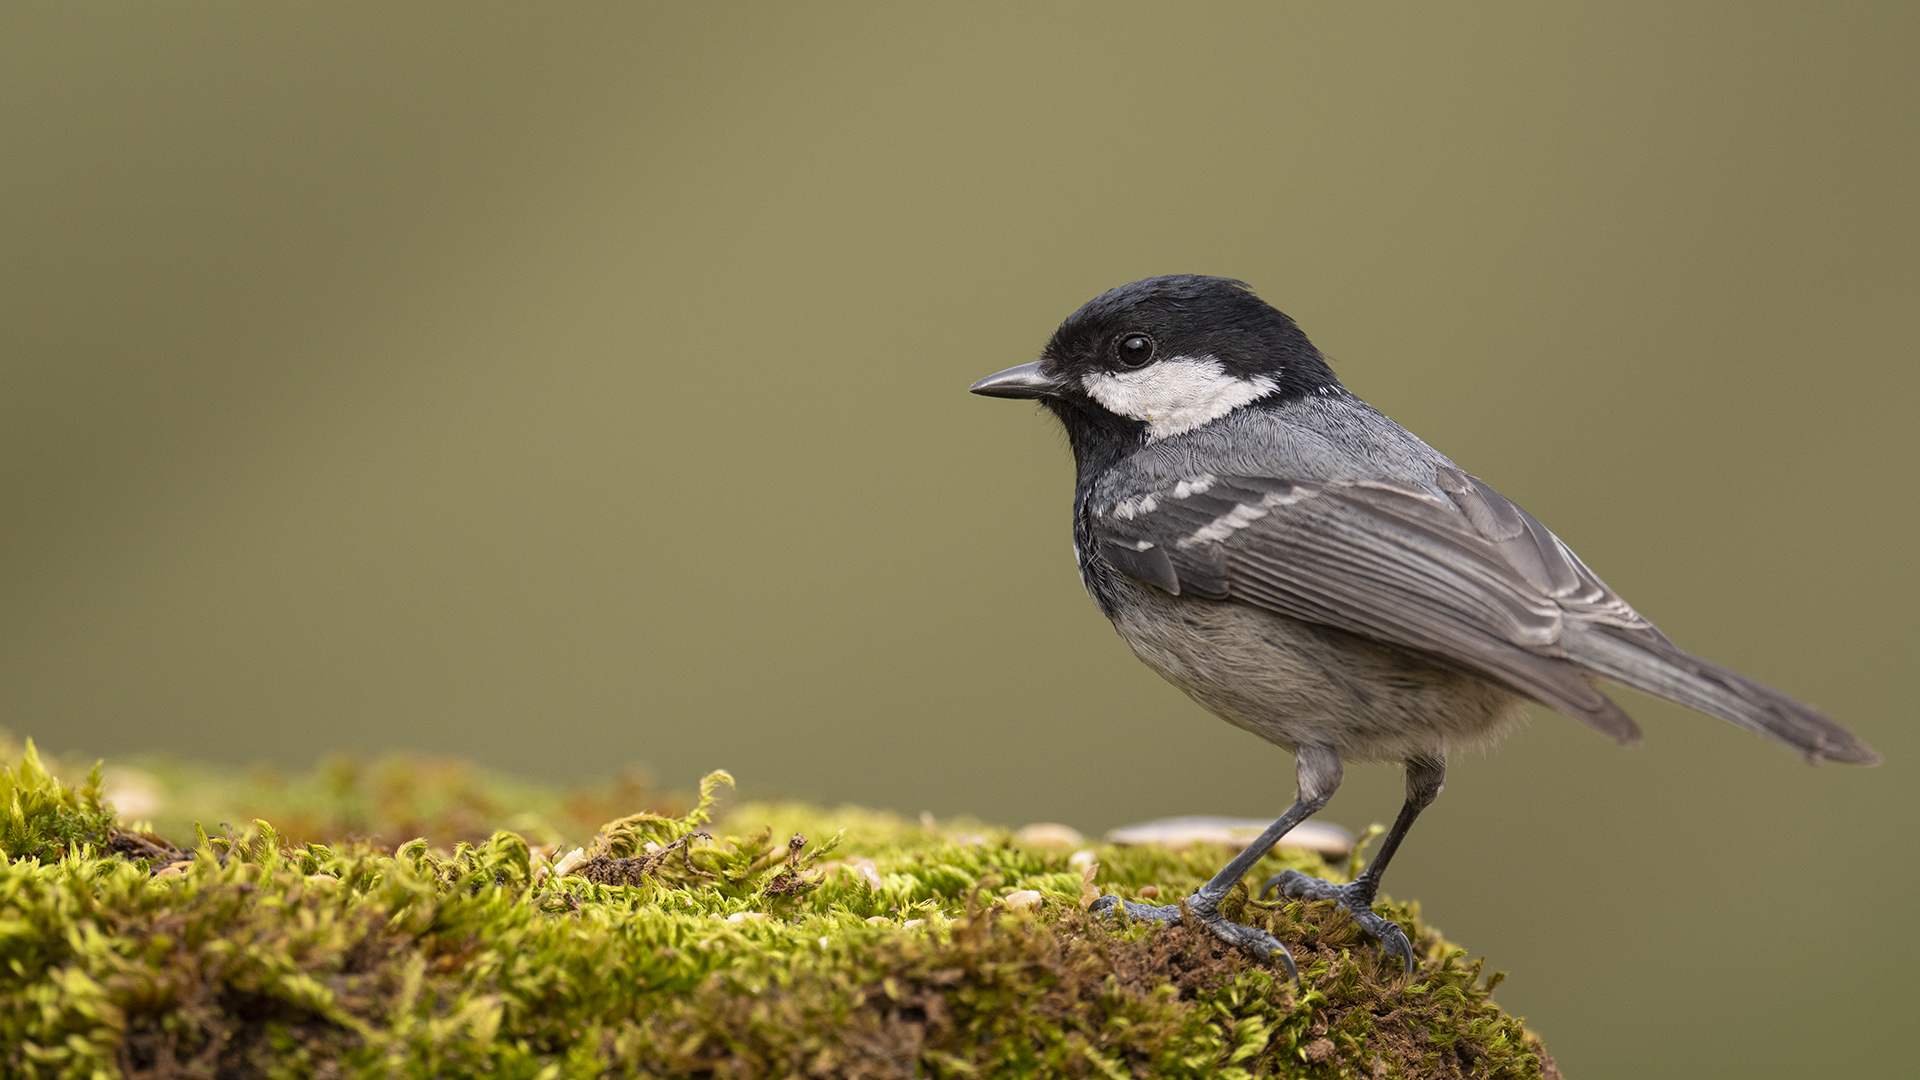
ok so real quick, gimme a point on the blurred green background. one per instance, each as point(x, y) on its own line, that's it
point(566, 386)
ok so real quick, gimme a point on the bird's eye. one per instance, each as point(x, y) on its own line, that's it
point(1135, 349)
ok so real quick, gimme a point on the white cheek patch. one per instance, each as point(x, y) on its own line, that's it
point(1175, 395)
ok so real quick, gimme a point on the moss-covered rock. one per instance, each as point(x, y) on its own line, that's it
point(786, 942)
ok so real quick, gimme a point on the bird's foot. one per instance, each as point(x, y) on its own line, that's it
point(1249, 939)
point(1356, 899)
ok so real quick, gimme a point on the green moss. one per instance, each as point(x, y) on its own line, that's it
point(42, 819)
point(866, 945)
point(386, 800)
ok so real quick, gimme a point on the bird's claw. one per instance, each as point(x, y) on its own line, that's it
point(1250, 939)
point(1163, 913)
point(1393, 940)
point(1354, 898)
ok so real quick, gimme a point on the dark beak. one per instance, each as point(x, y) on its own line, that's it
point(1025, 381)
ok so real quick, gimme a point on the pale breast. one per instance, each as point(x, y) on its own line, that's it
point(1294, 683)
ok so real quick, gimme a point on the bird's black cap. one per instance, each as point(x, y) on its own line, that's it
point(1192, 315)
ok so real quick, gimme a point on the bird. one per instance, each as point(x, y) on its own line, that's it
point(1313, 573)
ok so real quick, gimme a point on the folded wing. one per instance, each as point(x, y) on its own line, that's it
point(1471, 580)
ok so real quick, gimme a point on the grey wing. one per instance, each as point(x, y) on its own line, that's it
point(1477, 584)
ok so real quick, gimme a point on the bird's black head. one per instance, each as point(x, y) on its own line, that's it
point(1163, 356)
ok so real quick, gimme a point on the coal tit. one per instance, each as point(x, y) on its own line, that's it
point(1311, 572)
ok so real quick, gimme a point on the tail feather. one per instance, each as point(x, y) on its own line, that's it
point(1646, 660)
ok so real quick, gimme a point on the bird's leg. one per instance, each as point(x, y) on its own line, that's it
point(1425, 777)
point(1318, 771)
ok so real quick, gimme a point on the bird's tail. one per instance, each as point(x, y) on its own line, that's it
point(1645, 660)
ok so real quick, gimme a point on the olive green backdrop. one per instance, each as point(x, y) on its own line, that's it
point(567, 385)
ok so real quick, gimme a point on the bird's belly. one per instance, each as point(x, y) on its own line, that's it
point(1294, 683)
